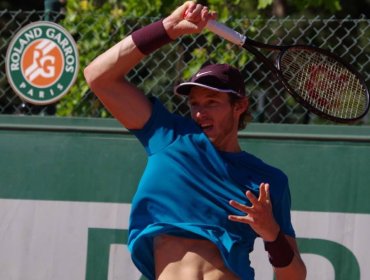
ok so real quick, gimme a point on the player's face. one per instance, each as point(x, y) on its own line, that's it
point(216, 116)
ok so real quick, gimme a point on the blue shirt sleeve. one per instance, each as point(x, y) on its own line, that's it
point(158, 132)
point(282, 207)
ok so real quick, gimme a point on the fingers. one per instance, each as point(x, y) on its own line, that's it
point(207, 15)
point(204, 13)
point(257, 205)
point(241, 219)
point(241, 207)
point(190, 7)
point(184, 10)
point(189, 18)
point(197, 12)
point(252, 198)
point(247, 219)
point(264, 193)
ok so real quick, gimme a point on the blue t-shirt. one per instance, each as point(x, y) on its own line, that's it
point(186, 188)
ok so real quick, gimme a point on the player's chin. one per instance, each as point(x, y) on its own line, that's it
point(212, 137)
point(209, 131)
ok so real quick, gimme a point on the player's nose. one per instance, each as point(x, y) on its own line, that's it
point(200, 112)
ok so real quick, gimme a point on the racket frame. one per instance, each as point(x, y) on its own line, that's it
point(250, 45)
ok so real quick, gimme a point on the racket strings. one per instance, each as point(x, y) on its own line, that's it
point(324, 83)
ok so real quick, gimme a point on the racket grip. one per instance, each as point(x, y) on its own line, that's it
point(226, 32)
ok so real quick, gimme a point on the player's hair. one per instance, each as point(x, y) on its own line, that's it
point(246, 116)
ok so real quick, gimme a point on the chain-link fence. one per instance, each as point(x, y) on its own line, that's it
point(159, 72)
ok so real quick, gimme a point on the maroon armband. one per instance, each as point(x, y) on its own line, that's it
point(151, 37)
point(280, 252)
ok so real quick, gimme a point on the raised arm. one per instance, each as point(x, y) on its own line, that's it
point(106, 74)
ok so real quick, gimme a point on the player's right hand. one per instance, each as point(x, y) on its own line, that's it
point(189, 18)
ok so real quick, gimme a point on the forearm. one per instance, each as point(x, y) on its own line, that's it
point(113, 64)
point(106, 78)
point(116, 62)
point(296, 268)
point(106, 75)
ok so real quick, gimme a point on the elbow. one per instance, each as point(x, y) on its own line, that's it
point(94, 79)
point(89, 75)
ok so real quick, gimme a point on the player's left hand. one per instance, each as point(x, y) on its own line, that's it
point(259, 215)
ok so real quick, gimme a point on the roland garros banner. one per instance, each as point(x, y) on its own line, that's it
point(42, 62)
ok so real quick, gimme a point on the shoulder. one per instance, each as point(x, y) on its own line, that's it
point(163, 128)
point(271, 174)
point(263, 165)
point(161, 111)
point(162, 118)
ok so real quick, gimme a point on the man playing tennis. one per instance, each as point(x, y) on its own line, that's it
point(201, 201)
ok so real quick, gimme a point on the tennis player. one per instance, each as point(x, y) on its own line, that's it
point(201, 201)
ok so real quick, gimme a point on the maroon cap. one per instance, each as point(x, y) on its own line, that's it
point(219, 77)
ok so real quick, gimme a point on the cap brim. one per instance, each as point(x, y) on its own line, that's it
point(184, 88)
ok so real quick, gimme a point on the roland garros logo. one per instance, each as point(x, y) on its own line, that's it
point(42, 62)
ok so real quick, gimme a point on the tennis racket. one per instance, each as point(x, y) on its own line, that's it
point(319, 80)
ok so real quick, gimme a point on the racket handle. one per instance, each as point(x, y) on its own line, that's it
point(226, 32)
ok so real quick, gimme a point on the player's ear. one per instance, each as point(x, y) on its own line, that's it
point(241, 105)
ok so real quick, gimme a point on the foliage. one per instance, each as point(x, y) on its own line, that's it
point(301, 5)
point(98, 26)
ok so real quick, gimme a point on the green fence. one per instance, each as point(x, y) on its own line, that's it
point(158, 73)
